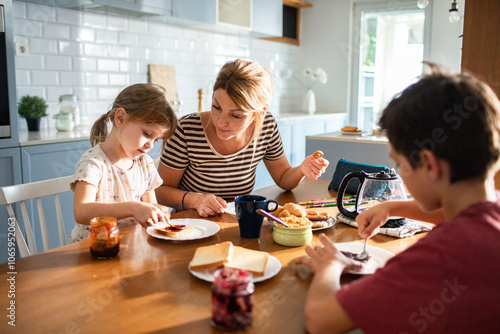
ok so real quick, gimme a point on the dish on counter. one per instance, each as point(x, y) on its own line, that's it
point(351, 133)
point(201, 229)
point(273, 267)
point(329, 223)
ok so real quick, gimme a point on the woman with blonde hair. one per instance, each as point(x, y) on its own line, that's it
point(213, 156)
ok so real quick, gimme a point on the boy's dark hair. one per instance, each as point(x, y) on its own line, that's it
point(455, 116)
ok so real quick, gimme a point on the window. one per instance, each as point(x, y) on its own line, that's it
point(389, 57)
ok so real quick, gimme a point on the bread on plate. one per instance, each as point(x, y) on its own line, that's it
point(248, 259)
point(212, 256)
point(173, 233)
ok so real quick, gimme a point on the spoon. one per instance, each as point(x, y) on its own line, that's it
point(270, 216)
point(364, 254)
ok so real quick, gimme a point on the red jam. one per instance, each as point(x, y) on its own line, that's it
point(232, 299)
point(104, 237)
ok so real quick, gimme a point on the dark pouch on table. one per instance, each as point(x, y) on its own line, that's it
point(344, 167)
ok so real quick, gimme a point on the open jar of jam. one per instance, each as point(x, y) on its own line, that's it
point(104, 237)
point(232, 299)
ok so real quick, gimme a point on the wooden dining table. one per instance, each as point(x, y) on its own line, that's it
point(147, 287)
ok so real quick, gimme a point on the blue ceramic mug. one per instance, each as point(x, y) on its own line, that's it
point(249, 220)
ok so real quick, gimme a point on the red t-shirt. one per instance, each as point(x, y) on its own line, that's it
point(447, 282)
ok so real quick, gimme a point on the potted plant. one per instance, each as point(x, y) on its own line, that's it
point(32, 108)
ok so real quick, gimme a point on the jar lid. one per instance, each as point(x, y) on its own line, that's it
point(63, 116)
point(68, 97)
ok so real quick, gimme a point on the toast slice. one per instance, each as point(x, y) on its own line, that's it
point(212, 256)
point(169, 232)
point(248, 259)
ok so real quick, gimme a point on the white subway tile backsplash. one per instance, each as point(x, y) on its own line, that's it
point(116, 23)
point(95, 56)
point(118, 51)
point(60, 63)
point(106, 37)
point(68, 16)
point(83, 34)
point(43, 45)
point(56, 30)
point(96, 79)
point(70, 48)
point(128, 38)
point(53, 94)
point(23, 78)
point(44, 78)
point(108, 65)
point(72, 79)
point(92, 20)
point(84, 64)
point(97, 50)
point(41, 13)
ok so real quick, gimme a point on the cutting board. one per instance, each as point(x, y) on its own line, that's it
point(164, 75)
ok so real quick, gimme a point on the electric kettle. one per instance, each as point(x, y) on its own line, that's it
point(374, 188)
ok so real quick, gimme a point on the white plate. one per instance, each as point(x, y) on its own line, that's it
point(230, 209)
point(201, 229)
point(331, 222)
point(378, 259)
point(351, 133)
point(273, 267)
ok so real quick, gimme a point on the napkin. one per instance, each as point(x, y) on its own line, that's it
point(410, 228)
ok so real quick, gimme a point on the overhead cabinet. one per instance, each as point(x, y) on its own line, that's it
point(258, 18)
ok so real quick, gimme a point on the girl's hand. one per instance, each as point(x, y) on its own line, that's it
point(148, 214)
point(165, 209)
point(369, 221)
point(208, 204)
point(322, 257)
point(313, 168)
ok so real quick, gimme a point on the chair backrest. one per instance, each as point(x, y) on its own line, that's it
point(21, 193)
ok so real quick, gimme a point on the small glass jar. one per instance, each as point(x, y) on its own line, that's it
point(232, 299)
point(104, 237)
point(64, 122)
point(68, 104)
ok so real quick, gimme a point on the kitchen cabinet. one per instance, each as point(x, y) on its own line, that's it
point(256, 17)
point(290, 22)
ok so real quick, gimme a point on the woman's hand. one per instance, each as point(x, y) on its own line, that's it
point(205, 204)
point(323, 257)
point(148, 214)
point(313, 168)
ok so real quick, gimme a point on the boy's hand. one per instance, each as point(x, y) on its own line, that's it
point(322, 257)
point(369, 221)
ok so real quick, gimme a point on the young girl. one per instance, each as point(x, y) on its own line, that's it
point(116, 177)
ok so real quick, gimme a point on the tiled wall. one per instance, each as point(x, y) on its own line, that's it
point(95, 56)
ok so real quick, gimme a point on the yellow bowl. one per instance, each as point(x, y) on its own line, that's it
point(292, 236)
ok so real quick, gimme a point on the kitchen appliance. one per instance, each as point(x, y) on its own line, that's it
point(374, 188)
point(8, 110)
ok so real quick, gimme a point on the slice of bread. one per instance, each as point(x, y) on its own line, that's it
point(169, 232)
point(212, 256)
point(248, 259)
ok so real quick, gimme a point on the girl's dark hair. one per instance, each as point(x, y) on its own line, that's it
point(145, 103)
point(456, 116)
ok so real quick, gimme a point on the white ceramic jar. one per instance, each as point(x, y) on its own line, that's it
point(68, 104)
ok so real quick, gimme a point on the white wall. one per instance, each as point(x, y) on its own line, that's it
point(326, 43)
point(95, 56)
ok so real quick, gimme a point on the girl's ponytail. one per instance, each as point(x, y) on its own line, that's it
point(99, 131)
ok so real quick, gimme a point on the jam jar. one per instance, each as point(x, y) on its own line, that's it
point(232, 299)
point(104, 237)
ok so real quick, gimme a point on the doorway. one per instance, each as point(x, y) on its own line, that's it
point(389, 58)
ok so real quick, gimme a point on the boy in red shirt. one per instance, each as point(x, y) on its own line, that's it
point(444, 134)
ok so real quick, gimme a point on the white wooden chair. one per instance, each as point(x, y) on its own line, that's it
point(21, 193)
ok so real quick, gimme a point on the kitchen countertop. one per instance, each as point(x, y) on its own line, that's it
point(52, 136)
point(364, 137)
